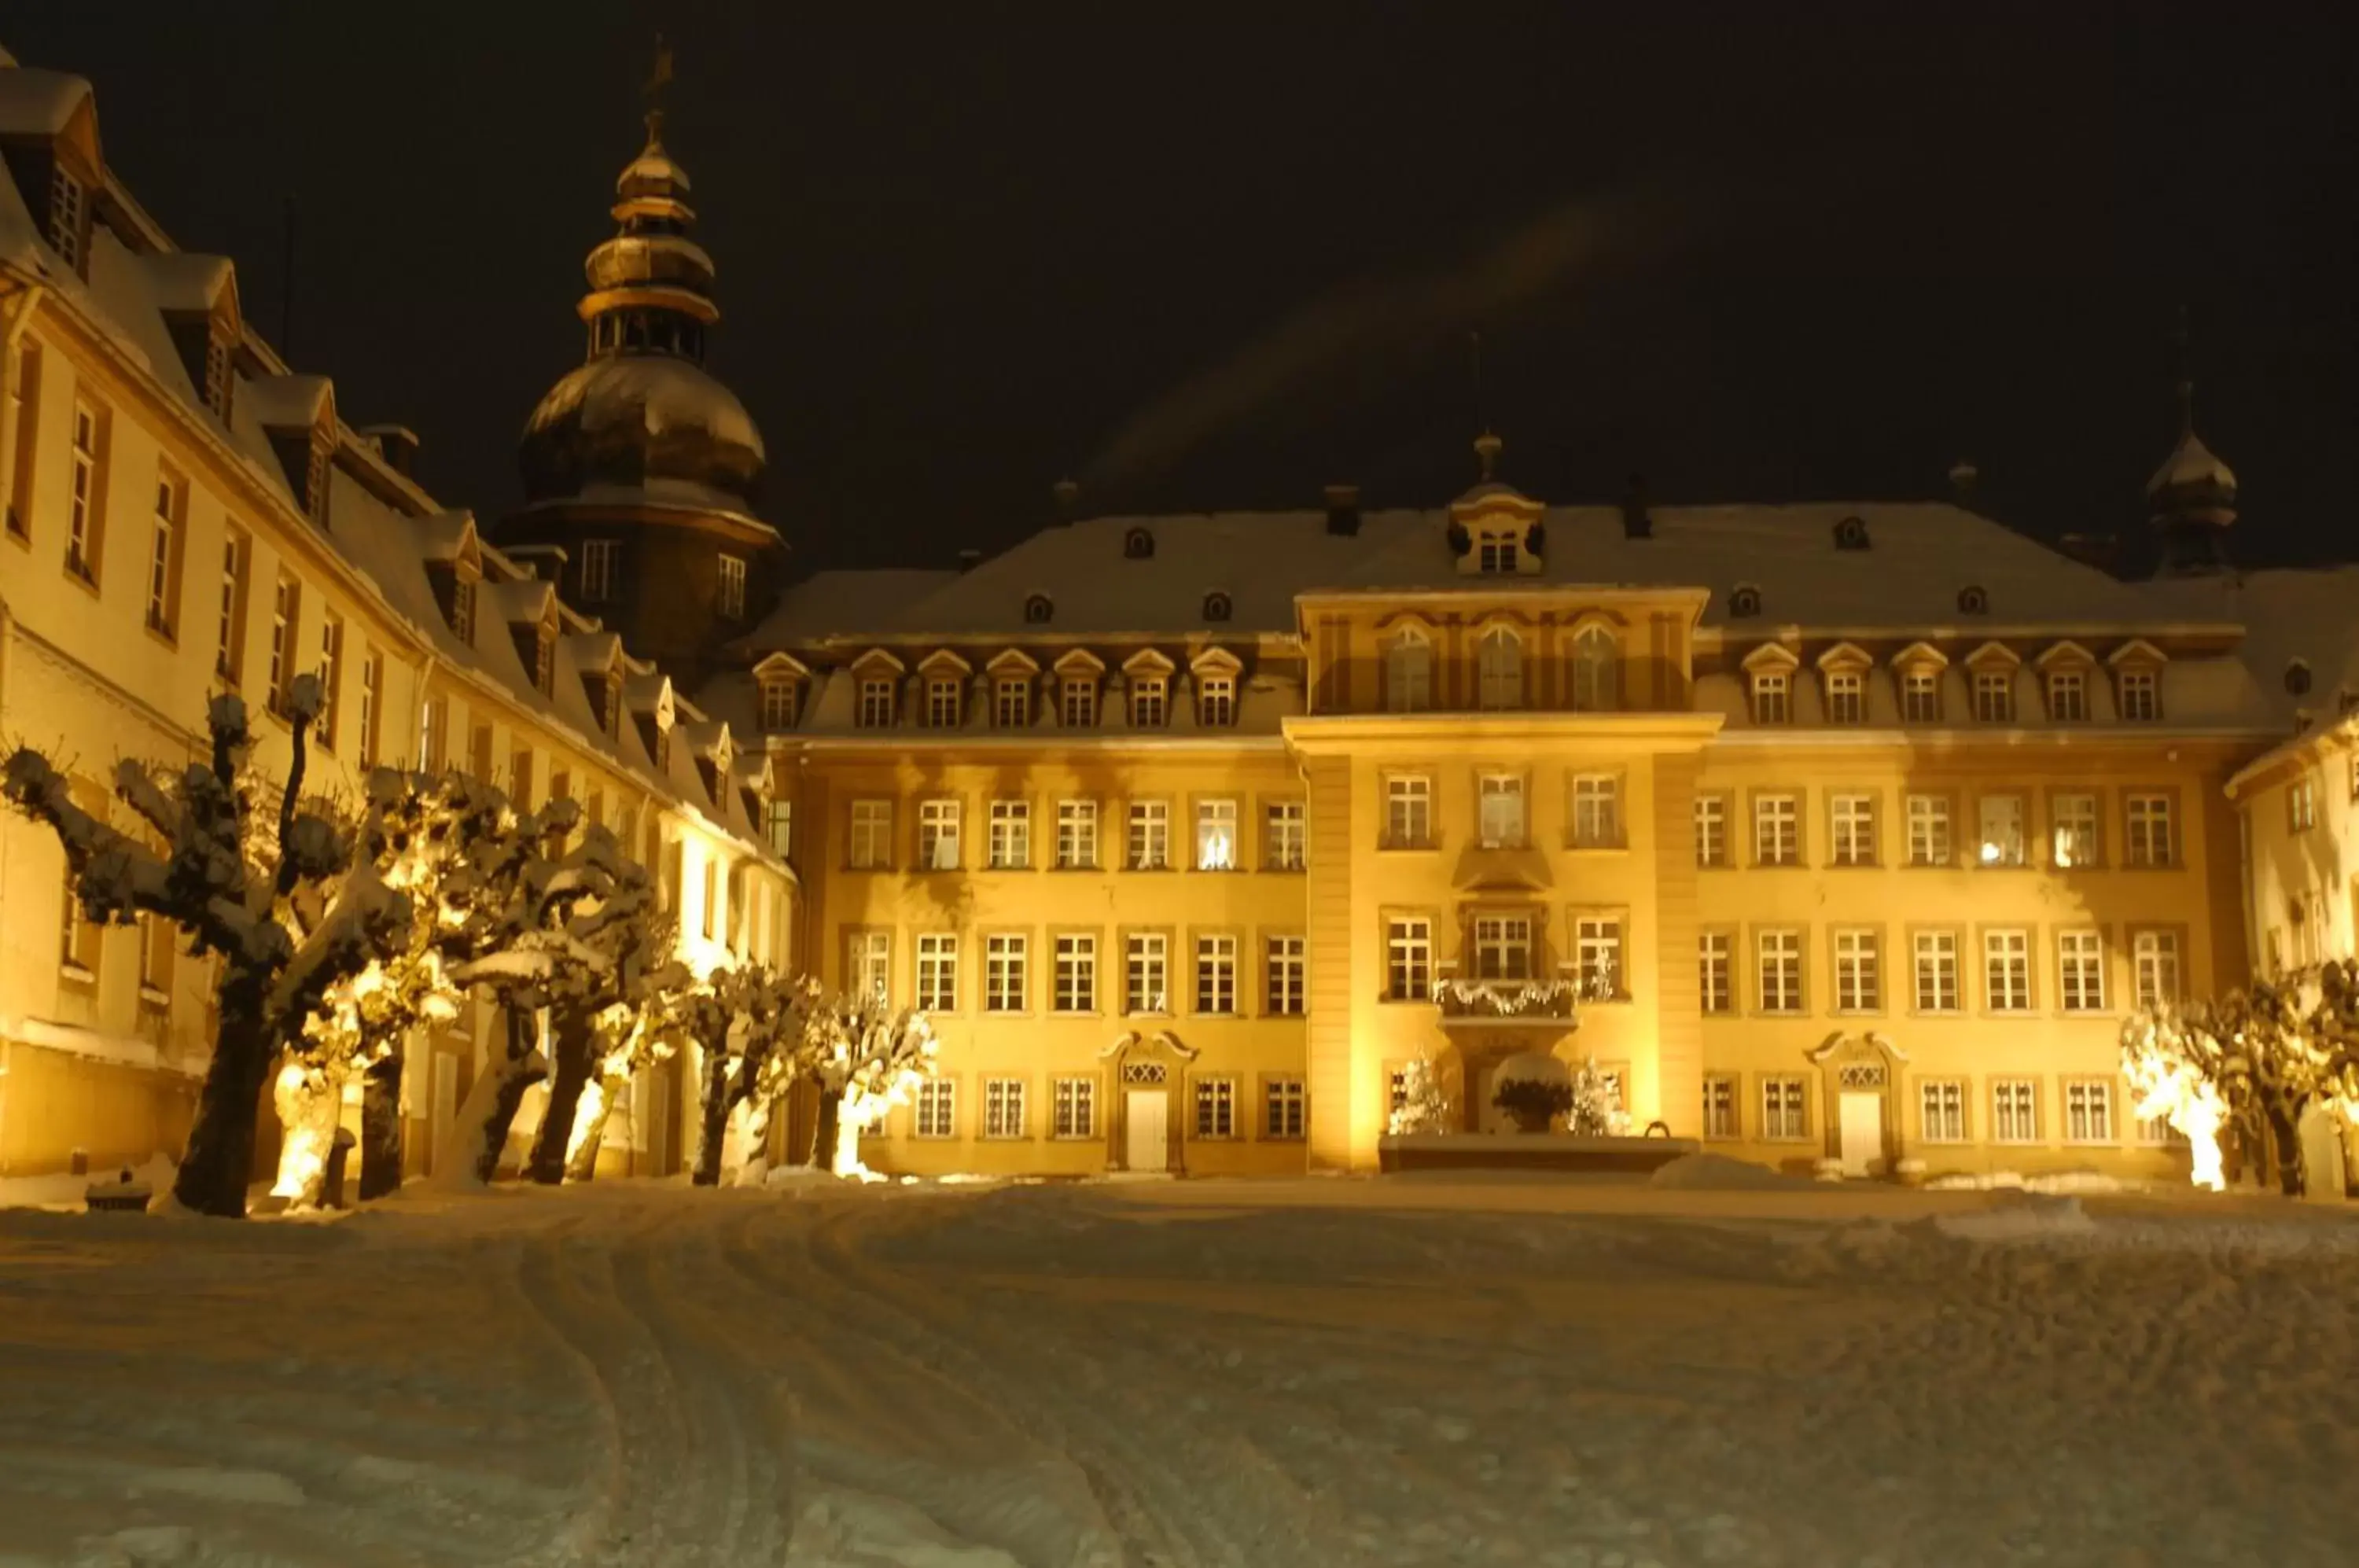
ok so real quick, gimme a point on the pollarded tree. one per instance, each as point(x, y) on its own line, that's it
point(640, 1029)
point(633, 940)
point(866, 1058)
point(777, 1058)
point(289, 922)
point(740, 1019)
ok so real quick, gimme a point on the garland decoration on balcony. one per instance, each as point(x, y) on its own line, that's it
point(1504, 998)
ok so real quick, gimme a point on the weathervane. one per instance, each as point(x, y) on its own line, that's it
point(658, 79)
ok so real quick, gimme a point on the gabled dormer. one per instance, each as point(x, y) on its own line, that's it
point(780, 683)
point(1919, 669)
point(2137, 667)
point(1495, 528)
point(599, 658)
point(2067, 672)
point(1080, 675)
point(1992, 669)
point(648, 698)
point(1147, 683)
point(714, 754)
point(876, 678)
point(1842, 674)
point(1013, 675)
point(1218, 675)
point(945, 677)
point(198, 298)
point(756, 784)
point(49, 140)
point(528, 605)
point(1769, 683)
point(298, 414)
point(454, 567)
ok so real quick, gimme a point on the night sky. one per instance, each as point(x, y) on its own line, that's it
point(1220, 257)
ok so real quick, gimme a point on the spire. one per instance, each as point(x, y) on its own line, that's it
point(650, 285)
point(1487, 448)
point(658, 79)
point(2193, 493)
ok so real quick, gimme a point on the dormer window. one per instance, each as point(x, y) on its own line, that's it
point(1744, 601)
point(1846, 697)
point(604, 689)
point(1037, 610)
point(1077, 698)
point(68, 216)
point(463, 608)
point(2297, 679)
point(1149, 702)
point(1773, 697)
point(1497, 550)
point(1138, 544)
point(315, 482)
point(1216, 607)
point(1995, 696)
point(219, 382)
point(779, 701)
point(2068, 696)
point(876, 703)
point(1974, 600)
point(1216, 701)
point(1851, 534)
point(1921, 697)
point(944, 709)
point(2138, 694)
point(1011, 703)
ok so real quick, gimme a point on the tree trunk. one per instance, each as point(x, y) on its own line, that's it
point(213, 1179)
point(2285, 1131)
point(381, 1128)
point(830, 1110)
point(311, 1104)
point(576, 1054)
point(479, 1135)
point(590, 1120)
point(714, 1105)
point(755, 1169)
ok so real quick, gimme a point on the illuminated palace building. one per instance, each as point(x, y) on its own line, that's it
point(1844, 833)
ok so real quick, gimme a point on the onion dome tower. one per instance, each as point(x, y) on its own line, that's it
point(638, 465)
point(2193, 495)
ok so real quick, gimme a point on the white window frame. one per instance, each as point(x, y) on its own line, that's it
point(2154, 959)
point(730, 599)
point(1596, 670)
point(1853, 820)
point(1150, 701)
point(2089, 1111)
point(1941, 1110)
point(1003, 1109)
point(939, 821)
point(1715, 973)
point(1776, 829)
point(1286, 972)
point(877, 702)
point(1408, 958)
point(1778, 969)
point(2068, 696)
point(938, 972)
point(2080, 971)
point(779, 702)
point(2151, 839)
point(1285, 1109)
point(934, 1113)
point(869, 845)
point(1846, 697)
point(1286, 836)
point(868, 961)
point(1929, 839)
point(1597, 955)
point(1011, 703)
point(1006, 972)
point(2007, 970)
point(1216, 835)
point(1503, 947)
point(1772, 694)
point(1921, 696)
point(2139, 693)
point(1936, 977)
point(1784, 1108)
point(1011, 835)
point(1501, 821)
point(1499, 670)
point(2073, 841)
point(1075, 979)
point(1596, 811)
point(598, 558)
point(1077, 835)
point(1216, 975)
point(1995, 696)
point(2003, 821)
point(1408, 672)
point(83, 521)
point(1149, 840)
point(1215, 1097)
point(1077, 703)
point(1409, 810)
point(1859, 969)
point(164, 530)
point(1073, 1108)
point(1720, 1105)
point(1216, 701)
point(1712, 830)
point(2015, 1110)
point(1146, 974)
point(945, 702)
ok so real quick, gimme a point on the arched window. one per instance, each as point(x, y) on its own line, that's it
point(1499, 665)
point(1408, 672)
point(1597, 671)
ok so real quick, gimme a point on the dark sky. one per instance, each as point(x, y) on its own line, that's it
point(1217, 256)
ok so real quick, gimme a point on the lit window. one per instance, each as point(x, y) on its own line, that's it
point(1772, 697)
point(1941, 1110)
point(2006, 971)
point(1855, 829)
point(2015, 1111)
point(1216, 1107)
point(937, 958)
point(1499, 668)
point(2075, 831)
point(1282, 1103)
point(1077, 703)
point(1776, 829)
point(937, 1109)
point(1077, 835)
point(1597, 671)
point(1150, 835)
point(872, 834)
point(66, 215)
point(2140, 696)
point(1929, 830)
point(83, 517)
point(1077, 973)
point(1076, 1108)
point(284, 607)
point(2068, 696)
point(731, 597)
point(1937, 971)
point(2150, 830)
point(780, 827)
point(1147, 980)
point(1597, 953)
point(2002, 831)
point(1846, 697)
point(2089, 1111)
point(1719, 1106)
point(1409, 959)
point(1712, 960)
point(2080, 971)
point(1596, 811)
point(938, 835)
point(1995, 696)
point(1921, 697)
point(598, 558)
point(331, 683)
point(1502, 810)
point(1216, 835)
point(1785, 1110)
point(372, 703)
point(229, 632)
point(1495, 550)
point(1503, 947)
point(1782, 971)
point(163, 560)
point(945, 704)
point(779, 701)
point(2301, 804)
point(1284, 957)
point(1148, 702)
point(1216, 701)
point(1003, 1108)
point(1011, 703)
point(2154, 957)
point(868, 963)
point(1216, 975)
point(1859, 980)
point(1408, 672)
point(1011, 835)
point(1409, 811)
point(1286, 846)
point(876, 703)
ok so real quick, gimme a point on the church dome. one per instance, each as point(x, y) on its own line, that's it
point(648, 422)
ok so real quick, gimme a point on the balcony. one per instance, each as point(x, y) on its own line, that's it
point(1550, 1003)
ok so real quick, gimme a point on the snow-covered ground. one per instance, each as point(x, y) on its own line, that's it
point(1428, 1370)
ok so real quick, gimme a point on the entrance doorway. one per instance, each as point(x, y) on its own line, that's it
point(1863, 1130)
point(1148, 1143)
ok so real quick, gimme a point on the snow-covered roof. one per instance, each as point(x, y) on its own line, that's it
point(2291, 615)
point(39, 103)
point(185, 284)
point(2190, 464)
point(287, 402)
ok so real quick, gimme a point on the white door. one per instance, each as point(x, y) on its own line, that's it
point(1148, 1146)
point(1862, 1132)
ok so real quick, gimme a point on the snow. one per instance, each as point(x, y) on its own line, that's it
point(1719, 1173)
point(1346, 1372)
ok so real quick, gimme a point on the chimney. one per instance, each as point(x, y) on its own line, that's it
point(397, 444)
point(1963, 477)
point(969, 559)
point(1343, 509)
point(1638, 523)
point(2089, 549)
point(1069, 499)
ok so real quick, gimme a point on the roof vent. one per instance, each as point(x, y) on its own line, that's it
point(1038, 611)
point(1851, 534)
point(1974, 600)
point(969, 559)
point(1744, 601)
point(1637, 521)
point(1343, 509)
point(2297, 679)
point(1216, 605)
point(1963, 477)
point(1138, 544)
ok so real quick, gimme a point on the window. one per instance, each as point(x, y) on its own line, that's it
point(1011, 703)
point(1929, 830)
point(1712, 830)
point(779, 704)
point(1150, 835)
point(1597, 953)
point(1011, 835)
point(2301, 804)
point(1075, 1108)
point(2080, 971)
point(1409, 959)
point(284, 605)
point(1503, 947)
point(1502, 821)
point(1596, 811)
point(520, 778)
point(1216, 975)
point(2002, 828)
point(2154, 957)
point(598, 569)
point(1149, 702)
point(78, 944)
point(1147, 963)
point(2068, 696)
point(85, 516)
point(28, 420)
point(433, 720)
point(1772, 697)
point(2015, 1111)
point(1597, 671)
point(1921, 697)
point(1285, 845)
point(1409, 811)
point(462, 609)
point(945, 704)
point(1785, 1113)
point(1777, 831)
point(1077, 835)
point(2006, 971)
point(1499, 670)
point(2157, 1132)
point(2074, 830)
point(1782, 971)
point(1284, 958)
point(1408, 672)
point(331, 671)
point(937, 958)
point(1005, 957)
point(1941, 1111)
point(1855, 830)
point(1495, 550)
point(876, 703)
point(1995, 696)
point(1078, 699)
point(1216, 835)
point(1937, 971)
point(1282, 1104)
point(164, 556)
point(937, 1109)
point(2089, 1112)
point(712, 902)
point(780, 827)
point(372, 703)
point(1719, 1106)
point(2150, 830)
point(1216, 701)
point(868, 963)
point(1859, 978)
point(1846, 697)
point(2141, 693)
point(731, 600)
point(1216, 1107)
point(230, 636)
point(1077, 973)
point(65, 215)
point(1003, 1108)
point(872, 834)
point(938, 835)
point(1713, 984)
